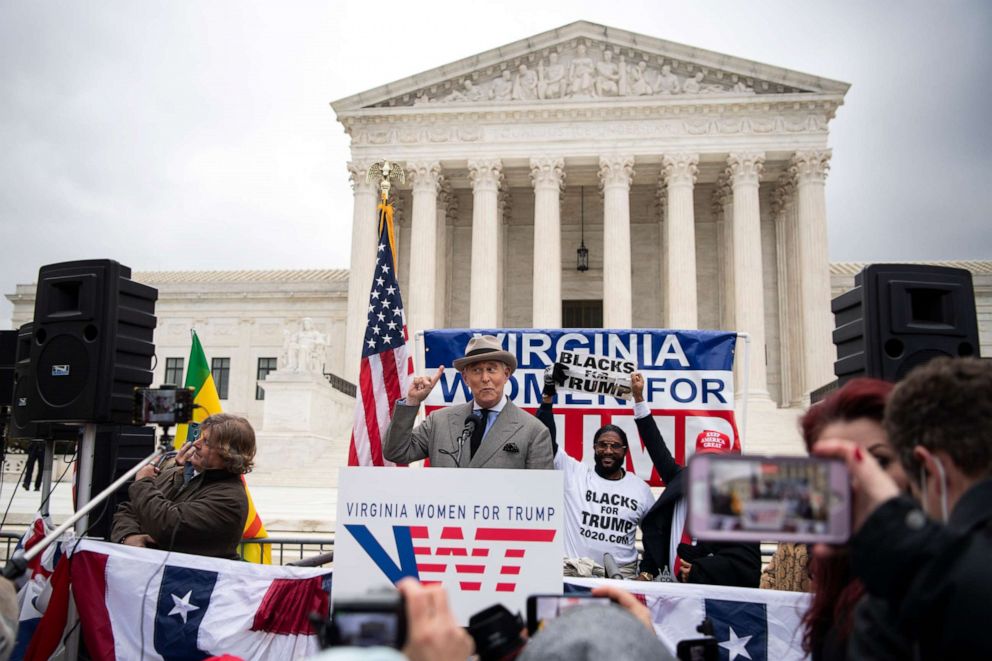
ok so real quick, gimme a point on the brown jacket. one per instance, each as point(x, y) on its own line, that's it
point(205, 516)
point(788, 569)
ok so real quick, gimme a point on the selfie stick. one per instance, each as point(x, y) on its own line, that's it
point(18, 562)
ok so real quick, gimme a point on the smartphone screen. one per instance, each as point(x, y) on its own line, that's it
point(544, 607)
point(367, 629)
point(759, 499)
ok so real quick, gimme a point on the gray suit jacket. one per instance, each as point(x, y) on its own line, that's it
point(514, 429)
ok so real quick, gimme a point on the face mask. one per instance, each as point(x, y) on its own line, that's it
point(942, 476)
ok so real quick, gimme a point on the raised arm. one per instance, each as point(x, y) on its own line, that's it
point(650, 434)
point(403, 444)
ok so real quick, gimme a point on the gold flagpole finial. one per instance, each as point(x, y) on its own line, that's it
point(386, 172)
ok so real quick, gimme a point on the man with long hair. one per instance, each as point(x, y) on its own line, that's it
point(200, 511)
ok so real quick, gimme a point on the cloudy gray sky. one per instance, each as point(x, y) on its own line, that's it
point(197, 135)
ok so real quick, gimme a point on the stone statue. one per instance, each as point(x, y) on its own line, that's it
point(637, 82)
point(668, 82)
point(740, 87)
point(304, 349)
point(607, 76)
point(580, 74)
point(551, 80)
point(469, 92)
point(502, 88)
point(525, 84)
point(695, 85)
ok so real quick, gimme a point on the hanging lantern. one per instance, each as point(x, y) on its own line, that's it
point(582, 254)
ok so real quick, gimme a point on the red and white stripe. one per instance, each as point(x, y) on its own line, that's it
point(383, 378)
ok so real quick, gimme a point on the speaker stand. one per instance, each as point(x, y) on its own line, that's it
point(46, 476)
point(84, 476)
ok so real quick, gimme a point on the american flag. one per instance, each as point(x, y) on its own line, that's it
point(386, 367)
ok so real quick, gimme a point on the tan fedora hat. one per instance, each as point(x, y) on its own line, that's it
point(485, 347)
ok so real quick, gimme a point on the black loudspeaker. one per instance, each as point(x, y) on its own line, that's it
point(899, 316)
point(92, 342)
point(21, 426)
point(118, 449)
point(8, 353)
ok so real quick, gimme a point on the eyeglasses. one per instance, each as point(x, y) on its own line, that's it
point(600, 445)
point(491, 370)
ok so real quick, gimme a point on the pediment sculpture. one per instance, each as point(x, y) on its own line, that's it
point(582, 73)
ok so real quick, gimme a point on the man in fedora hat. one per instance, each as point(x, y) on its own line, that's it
point(503, 435)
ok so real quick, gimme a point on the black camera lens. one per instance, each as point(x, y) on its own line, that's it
point(496, 632)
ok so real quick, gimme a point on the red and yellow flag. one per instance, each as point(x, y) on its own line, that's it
point(207, 403)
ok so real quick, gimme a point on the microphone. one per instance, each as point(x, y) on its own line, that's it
point(471, 422)
point(611, 568)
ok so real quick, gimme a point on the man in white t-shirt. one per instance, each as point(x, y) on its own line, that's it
point(603, 505)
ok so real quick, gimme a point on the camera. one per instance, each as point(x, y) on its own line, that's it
point(164, 406)
point(496, 632)
point(376, 620)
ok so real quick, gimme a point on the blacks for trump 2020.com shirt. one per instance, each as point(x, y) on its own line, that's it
point(601, 516)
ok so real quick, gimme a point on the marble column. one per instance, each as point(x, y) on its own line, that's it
point(749, 292)
point(485, 277)
point(425, 180)
point(548, 176)
point(447, 205)
point(504, 206)
point(790, 332)
point(615, 175)
point(679, 172)
point(810, 171)
point(364, 234)
point(661, 207)
point(723, 215)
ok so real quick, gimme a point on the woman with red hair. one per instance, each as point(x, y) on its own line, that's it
point(854, 413)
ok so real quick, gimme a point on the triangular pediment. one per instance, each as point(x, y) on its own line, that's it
point(583, 62)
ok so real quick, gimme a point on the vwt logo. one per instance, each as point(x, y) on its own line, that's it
point(60, 370)
point(426, 559)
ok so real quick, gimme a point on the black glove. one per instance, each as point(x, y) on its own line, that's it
point(554, 375)
point(549, 382)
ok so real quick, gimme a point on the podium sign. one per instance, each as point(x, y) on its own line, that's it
point(489, 536)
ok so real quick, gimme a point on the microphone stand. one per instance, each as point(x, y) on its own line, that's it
point(470, 424)
point(18, 562)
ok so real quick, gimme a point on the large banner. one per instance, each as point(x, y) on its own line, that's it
point(490, 536)
point(689, 385)
point(747, 623)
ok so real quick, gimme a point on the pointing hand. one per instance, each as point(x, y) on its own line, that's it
point(422, 386)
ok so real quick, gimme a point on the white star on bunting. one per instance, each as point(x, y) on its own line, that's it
point(182, 606)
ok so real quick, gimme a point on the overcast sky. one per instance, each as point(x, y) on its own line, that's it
point(198, 135)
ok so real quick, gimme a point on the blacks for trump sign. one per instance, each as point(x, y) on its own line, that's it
point(689, 384)
point(597, 375)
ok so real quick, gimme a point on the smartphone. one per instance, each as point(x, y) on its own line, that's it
point(744, 498)
point(544, 607)
point(165, 406)
point(372, 621)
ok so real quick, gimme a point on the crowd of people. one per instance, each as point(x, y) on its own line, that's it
point(912, 582)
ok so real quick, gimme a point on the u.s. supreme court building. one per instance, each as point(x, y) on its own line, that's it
point(694, 179)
